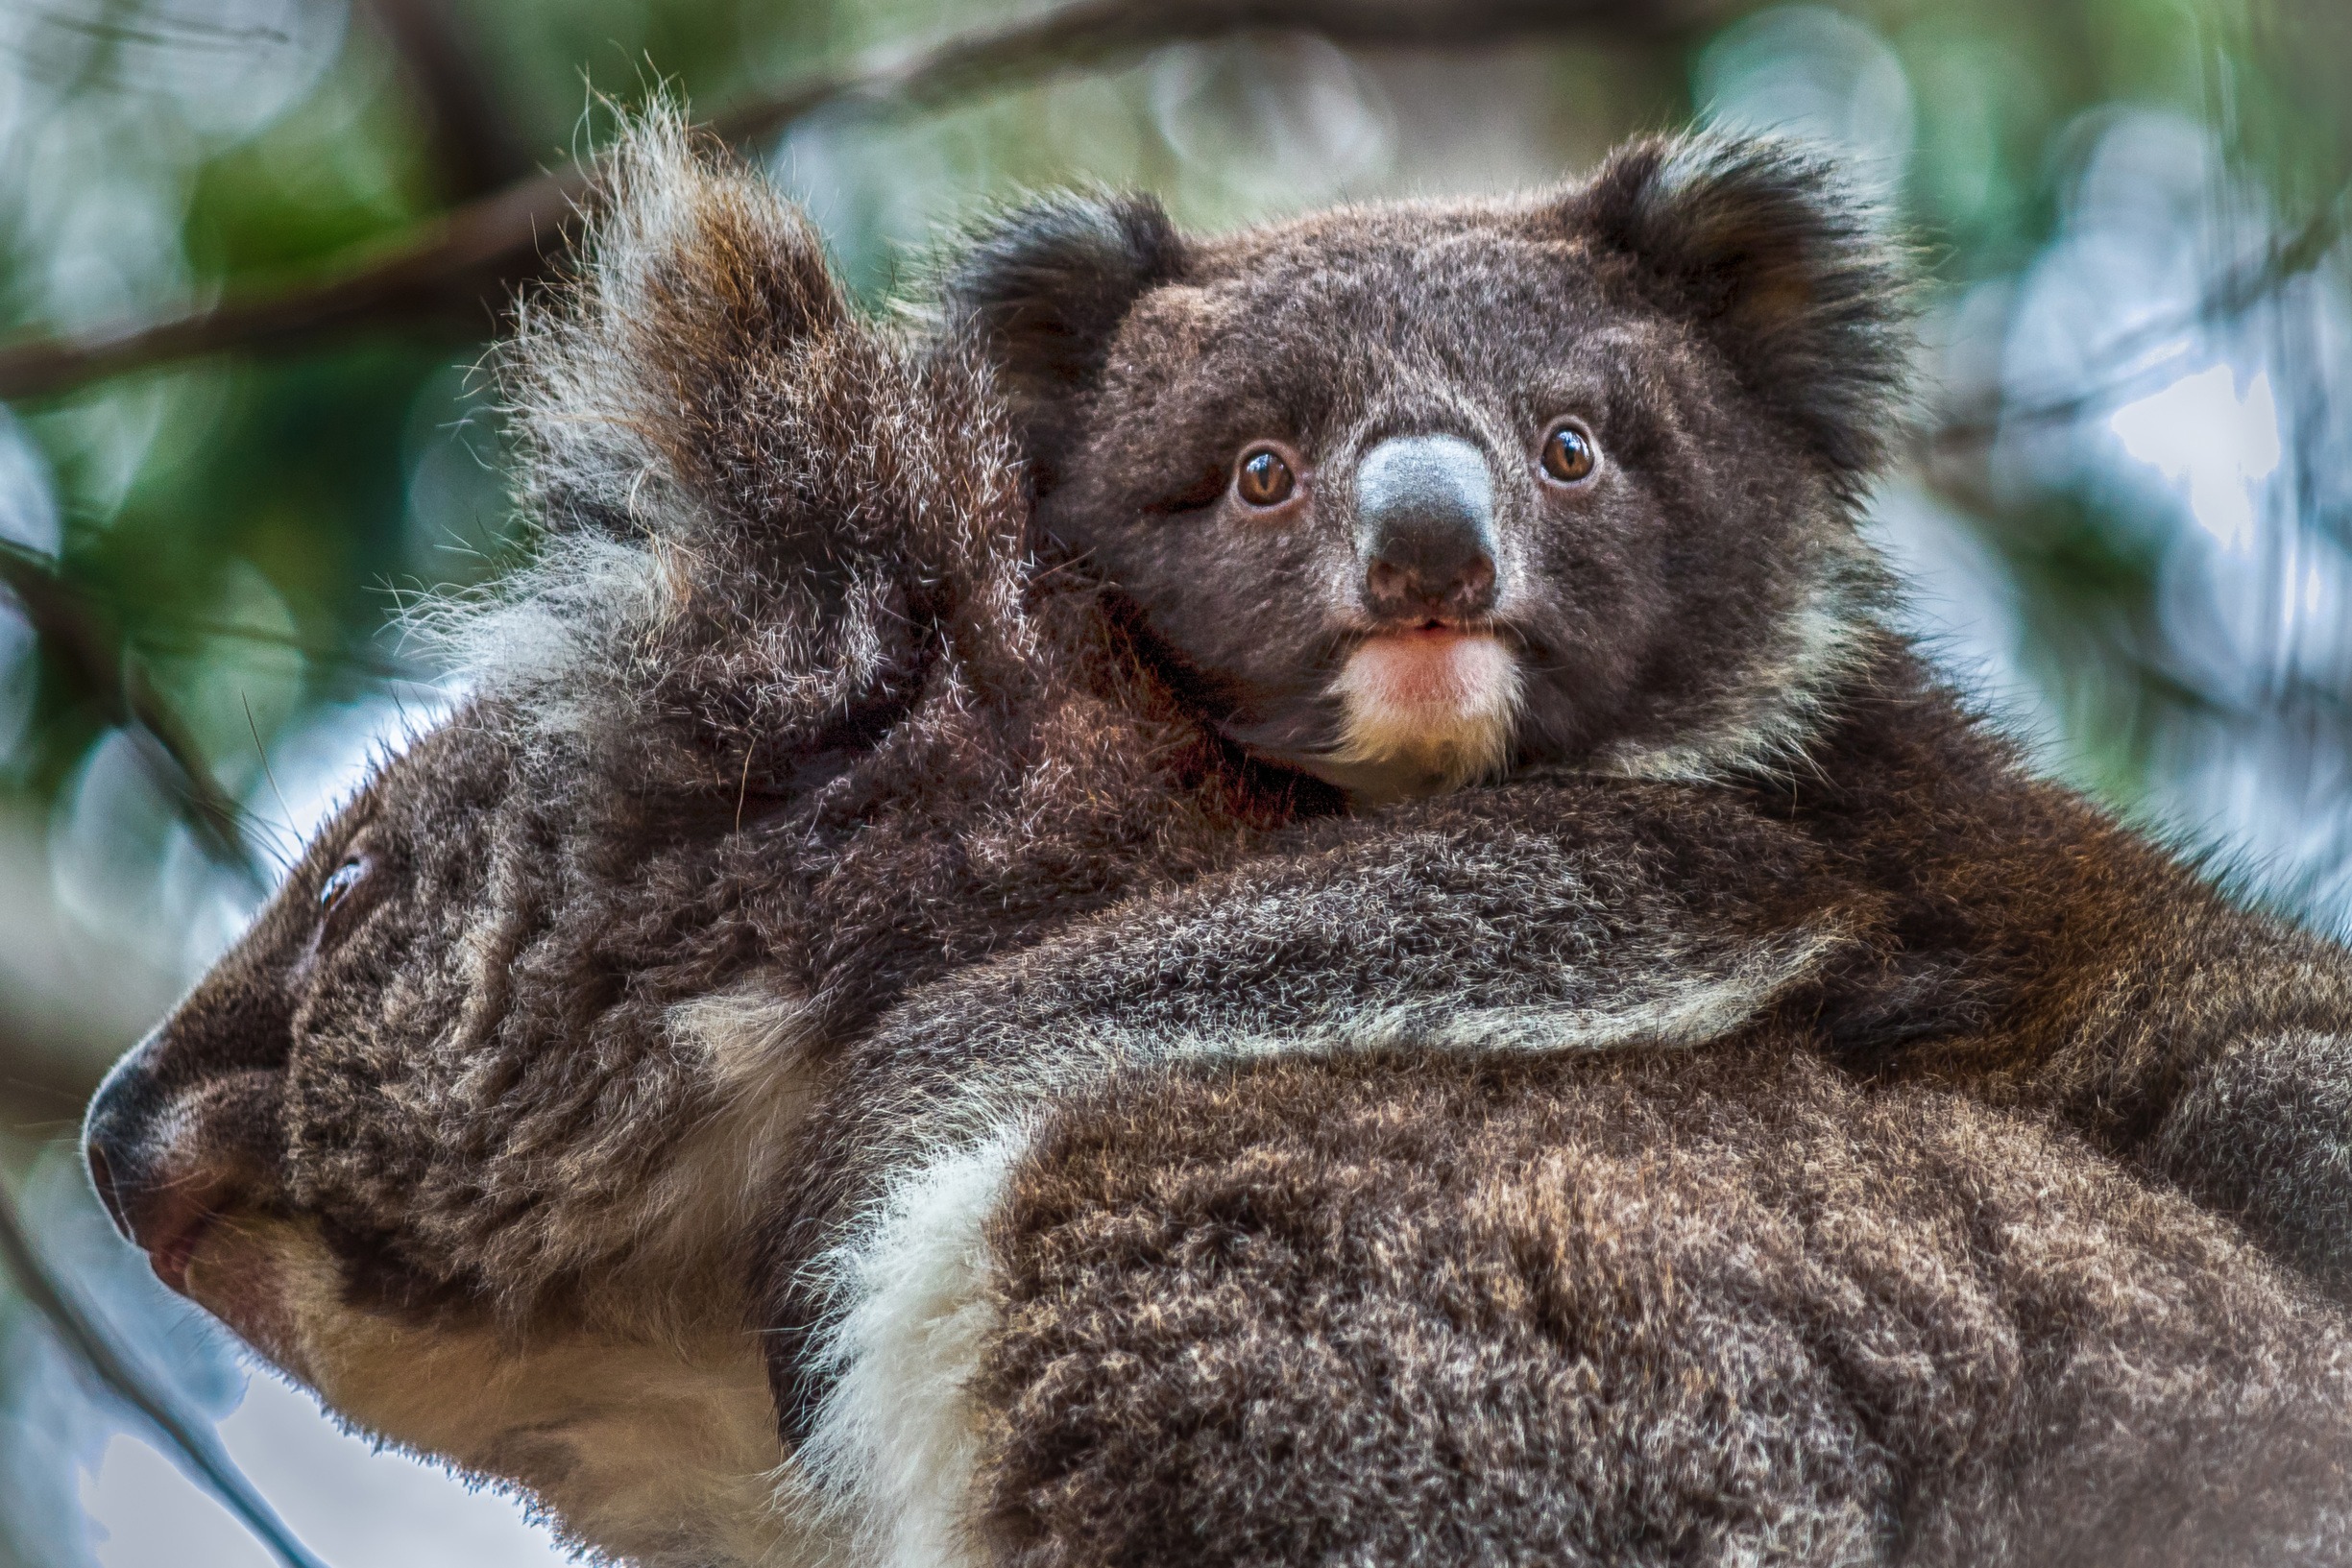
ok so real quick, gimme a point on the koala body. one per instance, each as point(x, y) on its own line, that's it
point(827, 1054)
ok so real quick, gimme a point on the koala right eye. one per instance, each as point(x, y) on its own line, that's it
point(1263, 478)
point(343, 897)
point(1568, 455)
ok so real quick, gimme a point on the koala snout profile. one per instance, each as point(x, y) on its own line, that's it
point(1425, 532)
point(185, 1127)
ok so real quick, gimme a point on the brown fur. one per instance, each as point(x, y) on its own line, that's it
point(772, 709)
point(1638, 1310)
point(801, 839)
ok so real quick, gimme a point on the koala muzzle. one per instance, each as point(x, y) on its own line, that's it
point(168, 1156)
point(1425, 530)
point(145, 1190)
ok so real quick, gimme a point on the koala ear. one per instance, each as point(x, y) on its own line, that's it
point(761, 516)
point(1775, 259)
point(645, 379)
point(1044, 290)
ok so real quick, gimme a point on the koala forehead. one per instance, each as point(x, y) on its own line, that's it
point(1334, 315)
point(1353, 326)
point(1396, 263)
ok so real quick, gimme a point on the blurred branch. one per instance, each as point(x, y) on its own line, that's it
point(89, 1341)
point(2235, 294)
point(91, 649)
point(458, 268)
point(452, 272)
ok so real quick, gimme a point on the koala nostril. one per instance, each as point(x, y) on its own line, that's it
point(1473, 586)
point(102, 1177)
point(1448, 584)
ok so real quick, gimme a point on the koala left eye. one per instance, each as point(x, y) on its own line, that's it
point(341, 884)
point(343, 898)
point(1264, 478)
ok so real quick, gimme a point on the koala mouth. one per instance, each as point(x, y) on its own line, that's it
point(170, 1226)
point(172, 1253)
point(171, 1180)
point(1434, 693)
point(1413, 709)
point(1422, 709)
point(1431, 671)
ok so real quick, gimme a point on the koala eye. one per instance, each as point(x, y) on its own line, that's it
point(1570, 454)
point(1263, 478)
point(340, 883)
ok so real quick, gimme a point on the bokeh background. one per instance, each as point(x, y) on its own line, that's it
point(2125, 516)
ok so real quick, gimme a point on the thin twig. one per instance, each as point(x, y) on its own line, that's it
point(2232, 296)
point(87, 1338)
point(455, 273)
point(90, 648)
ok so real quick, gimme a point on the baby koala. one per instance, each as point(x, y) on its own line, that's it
point(826, 1058)
point(1409, 497)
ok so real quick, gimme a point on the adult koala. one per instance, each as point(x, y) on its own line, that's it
point(823, 1054)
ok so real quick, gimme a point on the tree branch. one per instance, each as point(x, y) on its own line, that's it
point(455, 273)
point(90, 649)
point(89, 1341)
point(472, 143)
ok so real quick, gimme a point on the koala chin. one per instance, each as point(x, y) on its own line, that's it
point(1421, 713)
point(853, 1048)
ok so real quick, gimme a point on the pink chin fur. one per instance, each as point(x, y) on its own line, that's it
point(1439, 674)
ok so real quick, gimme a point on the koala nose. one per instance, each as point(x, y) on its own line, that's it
point(161, 1194)
point(114, 1138)
point(102, 1177)
point(1426, 530)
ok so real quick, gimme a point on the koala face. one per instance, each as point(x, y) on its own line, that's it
point(463, 1039)
point(1410, 495)
point(459, 1134)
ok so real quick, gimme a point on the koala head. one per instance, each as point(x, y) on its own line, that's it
point(776, 724)
point(1407, 494)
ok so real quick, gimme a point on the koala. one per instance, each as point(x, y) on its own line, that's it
point(828, 1056)
point(465, 1131)
point(1410, 496)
